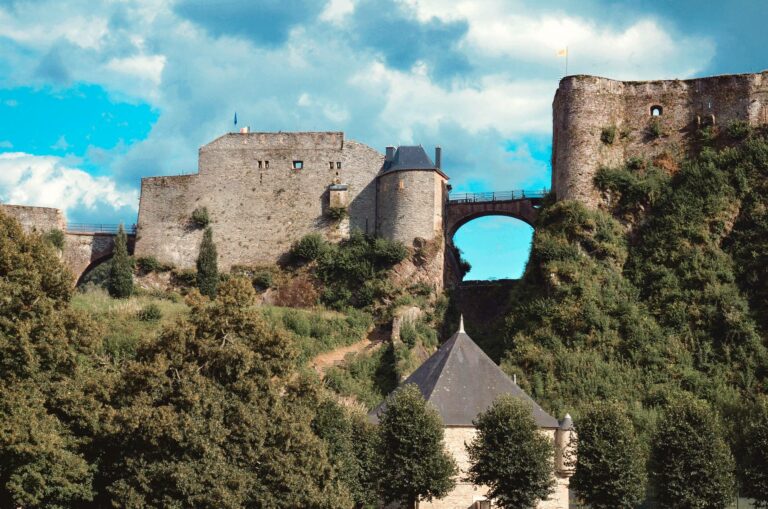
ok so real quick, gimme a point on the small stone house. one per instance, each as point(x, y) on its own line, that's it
point(460, 381)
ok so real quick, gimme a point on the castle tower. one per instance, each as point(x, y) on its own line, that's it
point(411, 195)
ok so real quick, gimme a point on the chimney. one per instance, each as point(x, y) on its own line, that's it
point(438, 157)
point(245, 130)
point(390, 154)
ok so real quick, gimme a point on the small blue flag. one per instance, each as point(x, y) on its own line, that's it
point(235, 118)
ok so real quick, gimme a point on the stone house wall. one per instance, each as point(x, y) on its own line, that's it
point(585, 105)
point(258, 201)
point(37, 219)
point(465, 493)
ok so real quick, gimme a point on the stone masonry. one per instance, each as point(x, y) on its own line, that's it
point(585, 105)
point(263, 191)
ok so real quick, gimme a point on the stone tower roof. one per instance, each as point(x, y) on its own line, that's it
point(410, 158)
point(461, 381)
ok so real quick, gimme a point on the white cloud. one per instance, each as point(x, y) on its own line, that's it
point(146, 67)
point(84, 31)
point(46, 181)
point(336, 10)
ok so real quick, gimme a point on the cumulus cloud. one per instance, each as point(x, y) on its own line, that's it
point(476, 77)
point(47, 181)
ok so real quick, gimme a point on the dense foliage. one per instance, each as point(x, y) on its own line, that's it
point(207, 265)
point(413, 463)
point(691, 465)
point(511, 456)
point(610, 465)
point(120, 283)
point(753, 453)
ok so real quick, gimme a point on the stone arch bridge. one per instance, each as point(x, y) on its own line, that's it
point(88, 245)
point(463, 208)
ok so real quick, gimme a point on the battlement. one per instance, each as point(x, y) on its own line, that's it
point(290, 141)
point(650, 119)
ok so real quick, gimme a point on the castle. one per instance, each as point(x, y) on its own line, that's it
point(264, 191)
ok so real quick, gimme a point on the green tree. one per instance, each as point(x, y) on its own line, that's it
point(511, 456)
point(121, 271)
point(610, 465)
point(211, 415)
point(413, 462)
point(691, 465)
point(753, 461)
point(207, 266)
point(47, 412)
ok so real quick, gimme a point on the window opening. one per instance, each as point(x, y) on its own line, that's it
point(259, 164)
point(338, 165)
point(330, 163)
point(656, 111)
point(297, 165)
point(266, 165)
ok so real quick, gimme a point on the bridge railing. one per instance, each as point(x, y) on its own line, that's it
point(99, 228)
point(497, 196)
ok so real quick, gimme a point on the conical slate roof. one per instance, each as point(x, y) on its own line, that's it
point(461, 381)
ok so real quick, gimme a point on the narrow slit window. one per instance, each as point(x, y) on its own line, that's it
point(656, 110)
point(338, 165)
point(330, 164)
point(297, 165)
point(266, 165)
point(259, 164)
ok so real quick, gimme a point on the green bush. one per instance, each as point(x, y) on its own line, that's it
point(608, 135)
point(120, 283)
point(200, 217)
point(309, 248)
point(389, 252)
point(262, 280)
point(56, 237)
point(408, 334)
point(147, 264)
point(184, 277)
point(738, 130)
point(336, 213)
point(207, 266)
point(150, 313)
point(655, 129)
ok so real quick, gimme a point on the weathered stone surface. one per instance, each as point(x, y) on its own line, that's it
point(585, 105)
point(37, 219)
point(460, 213)
point(258, 199)
point(411, 205)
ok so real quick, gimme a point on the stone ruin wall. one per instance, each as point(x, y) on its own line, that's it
point(584, 105)
point(37, 219)
point(257, 213)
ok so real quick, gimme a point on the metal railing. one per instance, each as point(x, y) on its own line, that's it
point(99, 228)
point(497, 196)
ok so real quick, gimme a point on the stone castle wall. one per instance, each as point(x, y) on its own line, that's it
point(411, 204)
point(585, 105)
point(37, 219)
point(259, 204)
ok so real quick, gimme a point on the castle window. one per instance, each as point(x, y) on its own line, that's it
point(338, 165)
point(259, 164)
point(266, 165)
point(297, 165)
point(656, 110)
point(331, 164)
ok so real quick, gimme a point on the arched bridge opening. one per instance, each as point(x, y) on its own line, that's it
point(499, 237)
point(88, 245)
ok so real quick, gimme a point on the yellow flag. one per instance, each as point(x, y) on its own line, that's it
point(563, 52)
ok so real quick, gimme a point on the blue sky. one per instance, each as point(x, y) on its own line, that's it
point(96, 95)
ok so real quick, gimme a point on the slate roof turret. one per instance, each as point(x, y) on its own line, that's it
point(461, 381)
point(410, 158)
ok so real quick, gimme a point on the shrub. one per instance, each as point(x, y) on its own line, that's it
point(184, 277)
point(56, 238)
point(147, 264)
point(738, 130)
point(309, 248)
point(389, 252)
point(121, 272)
point(262, 280)
point(608, 135)
point(200, 217)
point(655, 129)
point(408, 334)
point(207, 265)
point(150, 313)
point(336, 213)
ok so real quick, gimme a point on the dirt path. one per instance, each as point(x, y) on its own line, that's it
point(334, 357)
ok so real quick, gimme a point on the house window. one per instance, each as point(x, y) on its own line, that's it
point(297, 165)
point(338, 165)
point(656, 110)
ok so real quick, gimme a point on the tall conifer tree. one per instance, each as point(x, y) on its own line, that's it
point(207, 266)
point(120, 283)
